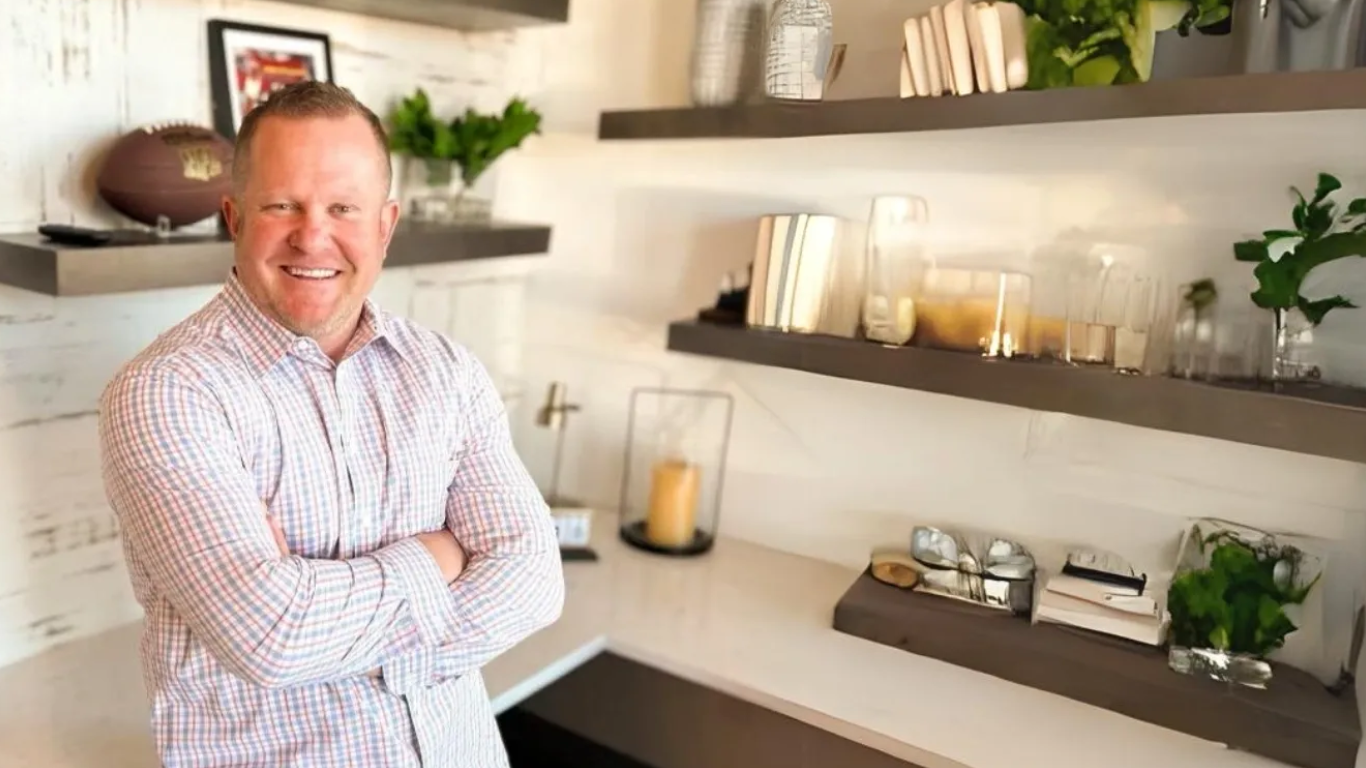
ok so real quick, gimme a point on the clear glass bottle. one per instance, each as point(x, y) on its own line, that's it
point(895, 254)
point(800, 43)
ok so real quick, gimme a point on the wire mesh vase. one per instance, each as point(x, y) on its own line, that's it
point(728, 51)
point(800, 43)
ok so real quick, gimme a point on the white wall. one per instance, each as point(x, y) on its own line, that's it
point(75, 75)
point(830, 468)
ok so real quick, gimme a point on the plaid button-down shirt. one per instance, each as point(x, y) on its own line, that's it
point(252, 658)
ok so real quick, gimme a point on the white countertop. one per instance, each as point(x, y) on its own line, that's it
point(745, 620)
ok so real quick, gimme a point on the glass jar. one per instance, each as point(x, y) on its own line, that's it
point(798, 50)
point(973, 310)
point(895, 266)
point(675, 463)
point(1119, 312)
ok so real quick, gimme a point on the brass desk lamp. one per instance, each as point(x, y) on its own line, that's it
point(573, 520)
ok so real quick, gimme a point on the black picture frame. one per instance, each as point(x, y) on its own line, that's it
point(228, 38)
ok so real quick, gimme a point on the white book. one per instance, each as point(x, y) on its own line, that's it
point(1061, 609)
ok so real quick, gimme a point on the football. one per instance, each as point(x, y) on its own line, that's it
point(177, 170)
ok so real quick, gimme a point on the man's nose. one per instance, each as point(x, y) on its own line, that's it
point(312, 232)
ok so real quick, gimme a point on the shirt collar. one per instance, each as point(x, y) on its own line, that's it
point(264, 341)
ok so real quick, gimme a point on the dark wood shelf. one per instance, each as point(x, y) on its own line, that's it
point(1236, 94)
point(138, 261)
point(467, 15)
point(1296, 719)
point(1319, 420)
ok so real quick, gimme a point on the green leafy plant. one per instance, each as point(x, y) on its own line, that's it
point(1104, 42)
point(1237, 602)
point(472, 140)
point(1284, 257)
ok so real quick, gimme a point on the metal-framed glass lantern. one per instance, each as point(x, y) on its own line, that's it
point(674, 469)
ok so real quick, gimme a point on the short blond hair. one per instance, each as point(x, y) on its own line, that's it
point(305, 99)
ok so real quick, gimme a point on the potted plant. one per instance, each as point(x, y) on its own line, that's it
point(1227, 602)
point(1322, 233)
point(447, 157)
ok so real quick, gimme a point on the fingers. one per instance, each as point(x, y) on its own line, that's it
point(279, 532)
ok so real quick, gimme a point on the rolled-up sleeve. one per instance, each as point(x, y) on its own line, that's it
point(193, 522)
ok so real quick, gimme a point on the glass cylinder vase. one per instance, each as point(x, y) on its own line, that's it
point(1292, 347)
point(672, 477)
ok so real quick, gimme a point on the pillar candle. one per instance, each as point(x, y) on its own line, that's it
point(672, 516)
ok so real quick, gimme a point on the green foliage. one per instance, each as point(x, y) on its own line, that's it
point(1322, 233)
point(1104, 42)
point(1201, 293)
point(472, 140)
point(1204, 13)
point(1237, 602)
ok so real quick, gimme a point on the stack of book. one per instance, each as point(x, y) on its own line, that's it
point(1102, 593)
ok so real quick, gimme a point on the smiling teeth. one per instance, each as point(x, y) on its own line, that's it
point(313, 273)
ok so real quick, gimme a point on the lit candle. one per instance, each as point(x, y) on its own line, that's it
point(672, 518)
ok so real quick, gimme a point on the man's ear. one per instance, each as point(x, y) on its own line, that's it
point(388, 222)
point(232, 216)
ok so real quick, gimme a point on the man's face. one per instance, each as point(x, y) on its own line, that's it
point(312, 224)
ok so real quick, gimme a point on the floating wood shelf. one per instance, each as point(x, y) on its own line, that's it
point(1235, 94)
point(1318, 420)
point(138, 261)
point(467, 15)
point(1296, 719)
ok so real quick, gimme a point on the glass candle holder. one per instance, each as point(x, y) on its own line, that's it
point(674, 468)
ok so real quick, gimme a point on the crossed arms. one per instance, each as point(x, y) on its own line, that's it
point(193, 521)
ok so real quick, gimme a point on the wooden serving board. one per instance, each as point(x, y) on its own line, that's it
point(1296, 719)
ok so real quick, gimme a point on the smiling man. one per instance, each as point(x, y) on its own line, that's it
point(323, 514)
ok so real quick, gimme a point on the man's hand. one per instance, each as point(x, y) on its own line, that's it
point(446, 551)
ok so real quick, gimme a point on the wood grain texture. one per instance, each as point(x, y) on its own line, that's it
point(1242, 94)
point(1296, 720)
point(1321, 421)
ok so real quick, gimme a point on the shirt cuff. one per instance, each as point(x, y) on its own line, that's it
point(410, 672)
point(430, 604)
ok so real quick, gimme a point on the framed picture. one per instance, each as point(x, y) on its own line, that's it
point(248, 62)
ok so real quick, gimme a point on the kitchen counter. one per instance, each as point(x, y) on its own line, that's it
point(745, 620)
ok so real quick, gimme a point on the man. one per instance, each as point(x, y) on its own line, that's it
point(323, 514)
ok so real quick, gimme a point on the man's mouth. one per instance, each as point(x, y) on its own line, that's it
point(311, 274)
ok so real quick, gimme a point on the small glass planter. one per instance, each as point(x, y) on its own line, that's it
point(1252, 577)
point(674, 469)
point(432, 190)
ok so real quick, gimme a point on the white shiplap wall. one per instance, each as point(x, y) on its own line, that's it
point(75, 75)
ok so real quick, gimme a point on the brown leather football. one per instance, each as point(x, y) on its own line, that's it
point(177, 170)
